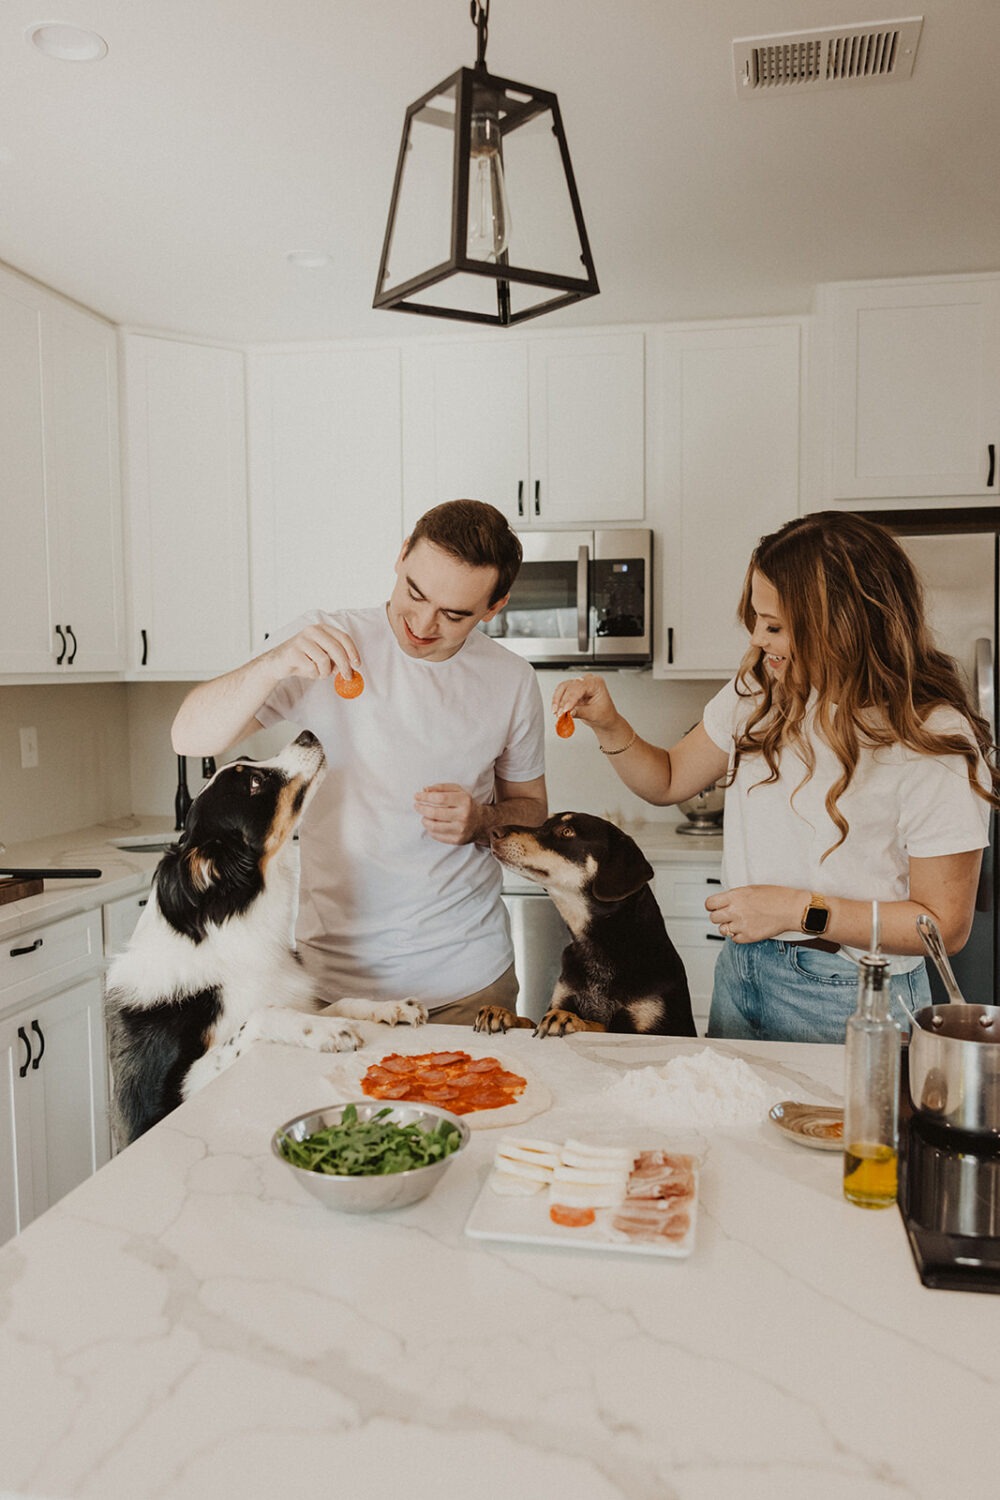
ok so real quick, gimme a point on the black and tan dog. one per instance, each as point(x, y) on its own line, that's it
point(621, 972)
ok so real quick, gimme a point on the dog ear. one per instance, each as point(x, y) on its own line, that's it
point(177, 895)
point(623, 870)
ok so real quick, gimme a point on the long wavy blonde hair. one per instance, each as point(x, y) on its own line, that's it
point(853, 607)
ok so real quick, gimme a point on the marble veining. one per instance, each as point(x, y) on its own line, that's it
point(189, 1323)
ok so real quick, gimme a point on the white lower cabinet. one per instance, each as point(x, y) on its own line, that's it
point(53, 1066)
point(680, 889)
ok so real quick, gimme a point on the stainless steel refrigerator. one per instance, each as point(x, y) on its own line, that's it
point(956, 553)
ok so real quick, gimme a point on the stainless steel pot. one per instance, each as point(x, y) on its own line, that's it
point(954, 1066)
point(954, 1053)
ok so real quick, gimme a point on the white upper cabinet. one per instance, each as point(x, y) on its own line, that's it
point(550, 431)
point(61, 575)
point(186, 507)
point(325, 481)
point(913, 403)
point(724, 405)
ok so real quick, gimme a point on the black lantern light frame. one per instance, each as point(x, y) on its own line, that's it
point(512, 105)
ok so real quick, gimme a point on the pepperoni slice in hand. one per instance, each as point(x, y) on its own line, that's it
point(349, 687)
point(565, 726)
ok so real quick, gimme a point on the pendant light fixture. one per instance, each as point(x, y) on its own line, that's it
point(485, 223)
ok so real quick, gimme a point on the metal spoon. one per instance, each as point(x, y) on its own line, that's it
point(932, 940)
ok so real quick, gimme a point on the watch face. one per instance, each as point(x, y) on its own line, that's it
point(815, 919)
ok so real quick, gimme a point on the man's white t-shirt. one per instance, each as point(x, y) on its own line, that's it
point(385, 910)
point(900, 805)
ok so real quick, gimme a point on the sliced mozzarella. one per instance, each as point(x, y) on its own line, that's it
point(585, 1194)
point(530, 1172)
point(581, 1153)
point(590, 1173)
point(510, 1186)
point(548, 1159)
point(529, 1143)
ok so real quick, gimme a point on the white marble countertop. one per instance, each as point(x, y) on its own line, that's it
point(122, 871)
point(190, 1323)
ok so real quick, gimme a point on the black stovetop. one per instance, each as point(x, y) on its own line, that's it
point(949, 1199)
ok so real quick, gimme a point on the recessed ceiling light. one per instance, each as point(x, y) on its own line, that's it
point(311, 260)
point(68, 43)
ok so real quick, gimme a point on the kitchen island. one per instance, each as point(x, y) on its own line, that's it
point(190, 1323)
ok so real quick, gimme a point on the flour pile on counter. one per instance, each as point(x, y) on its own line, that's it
point(701, 1088)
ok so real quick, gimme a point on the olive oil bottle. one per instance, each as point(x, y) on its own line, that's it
point(871, 1087)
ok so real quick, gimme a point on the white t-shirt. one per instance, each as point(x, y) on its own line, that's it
point(900, 805)
point(386, 911)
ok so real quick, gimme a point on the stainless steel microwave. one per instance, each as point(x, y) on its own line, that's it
point(581, 597)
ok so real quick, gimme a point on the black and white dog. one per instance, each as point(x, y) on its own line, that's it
point(621, 972)
point(211, 966)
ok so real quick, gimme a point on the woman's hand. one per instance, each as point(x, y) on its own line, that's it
point(587, 699)
point(750, 913)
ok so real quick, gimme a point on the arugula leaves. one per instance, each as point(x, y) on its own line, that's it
point(370, 1148)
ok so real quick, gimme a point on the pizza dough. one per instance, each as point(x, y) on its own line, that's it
point(534, 1099)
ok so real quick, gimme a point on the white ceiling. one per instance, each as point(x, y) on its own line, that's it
point(165, 185)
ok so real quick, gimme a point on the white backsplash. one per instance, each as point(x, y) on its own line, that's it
point(104, 751)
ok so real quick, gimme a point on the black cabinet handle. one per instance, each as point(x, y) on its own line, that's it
point(714, 937)
point(991, 449)
point(538, 497)
point(520, 497)
point(145, 648)
point(670, 645)
point(38, 1032)
point(27, 1052)
point(62, 646)
point(712, 880)
point(72, 657)
point(17, 952)
point(144, 901)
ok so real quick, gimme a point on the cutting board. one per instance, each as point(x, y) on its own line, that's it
point(18, 890)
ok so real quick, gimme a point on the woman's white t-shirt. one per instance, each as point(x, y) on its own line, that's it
point(385, 910)
point(900, 804)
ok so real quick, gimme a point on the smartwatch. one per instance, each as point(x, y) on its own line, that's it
point(816, 917)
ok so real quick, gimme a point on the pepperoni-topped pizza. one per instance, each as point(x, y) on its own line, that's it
point(452, 1080)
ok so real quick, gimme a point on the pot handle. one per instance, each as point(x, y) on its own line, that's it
point(930, 936)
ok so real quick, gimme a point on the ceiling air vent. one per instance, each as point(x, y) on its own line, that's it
point(877, 52)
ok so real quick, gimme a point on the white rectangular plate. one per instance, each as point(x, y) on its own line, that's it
point(525, 1221)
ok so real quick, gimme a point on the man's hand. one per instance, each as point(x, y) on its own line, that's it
point(448, 813)
point(316, 651)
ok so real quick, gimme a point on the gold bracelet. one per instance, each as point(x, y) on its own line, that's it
point(622, 748)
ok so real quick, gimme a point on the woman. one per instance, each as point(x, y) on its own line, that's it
point(857, 771)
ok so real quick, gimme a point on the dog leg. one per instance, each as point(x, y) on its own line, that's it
point(493, 1018)
point(409, 1012)
point(274, 1023)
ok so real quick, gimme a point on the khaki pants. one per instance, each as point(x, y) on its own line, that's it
point(502, 991)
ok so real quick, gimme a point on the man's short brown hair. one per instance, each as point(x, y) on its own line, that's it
point(477, 534)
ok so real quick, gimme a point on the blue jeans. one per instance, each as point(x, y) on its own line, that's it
point(785, 992)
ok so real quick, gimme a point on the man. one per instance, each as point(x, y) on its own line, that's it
point(399, 894)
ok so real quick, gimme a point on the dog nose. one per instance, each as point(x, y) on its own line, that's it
point(498, 833)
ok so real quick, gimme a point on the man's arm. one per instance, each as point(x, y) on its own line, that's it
point(217, 714)
point(451, 816)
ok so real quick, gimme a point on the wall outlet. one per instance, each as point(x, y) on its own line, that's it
point(29, 749)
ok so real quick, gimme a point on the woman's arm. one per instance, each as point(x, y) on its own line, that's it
point(659, 776)
point(944, 887)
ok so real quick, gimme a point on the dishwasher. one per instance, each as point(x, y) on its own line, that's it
point(539, 935)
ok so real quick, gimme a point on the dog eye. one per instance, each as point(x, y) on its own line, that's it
point(256, 782)
point(565, 831)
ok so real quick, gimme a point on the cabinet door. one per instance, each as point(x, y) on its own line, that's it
point(727, 472)
point(680, 890)
point(465, 428)
point(16, 1189)
point(83, 486)
point(25, 622)
point(325, 481)
point(587, 426)
point(915, 376)
point(185, 467)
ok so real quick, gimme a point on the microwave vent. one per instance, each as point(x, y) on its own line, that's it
point(877, 52)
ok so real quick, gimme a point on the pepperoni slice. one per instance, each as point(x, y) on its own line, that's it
point(349, 687)
point(571, 1218)
point(565, 726)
